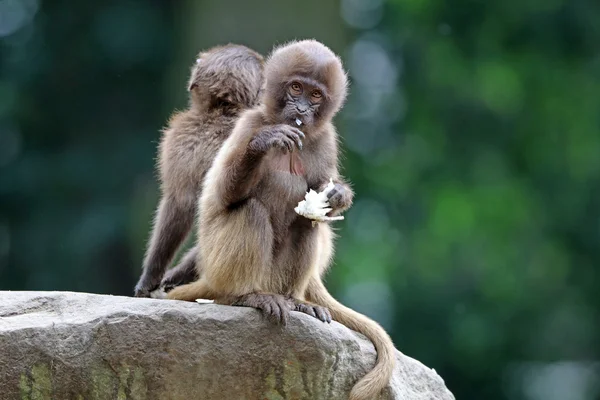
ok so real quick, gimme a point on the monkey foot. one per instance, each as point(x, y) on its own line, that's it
point(168, 284)
point(144, 289)
point(180, 275)
point(275, 307)
point(320, 313)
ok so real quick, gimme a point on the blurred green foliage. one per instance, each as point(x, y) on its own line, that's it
point(472, 137)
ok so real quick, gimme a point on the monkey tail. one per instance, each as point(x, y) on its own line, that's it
point(379, 377)
point(191, 291)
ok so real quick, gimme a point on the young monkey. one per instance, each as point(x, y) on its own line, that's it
point(255, 250)
point(224, 81)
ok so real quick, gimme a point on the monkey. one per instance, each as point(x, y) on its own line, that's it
point(224, 81)
point(256, 251)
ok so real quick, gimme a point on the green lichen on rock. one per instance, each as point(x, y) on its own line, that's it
point(41, 389)
point(293, 385)
point(285, 381)
point(121, 383)
point(25, 387)
point(37, 385)
point(271, 392)
point(131, 382)
point(123, 376)
point(103, 382)
point(137, 388)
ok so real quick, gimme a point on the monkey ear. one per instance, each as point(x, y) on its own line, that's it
point(192, 85)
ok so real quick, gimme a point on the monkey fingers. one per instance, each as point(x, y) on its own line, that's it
point(320, 313)
point(275, 307)
point(287, 136)
point(285, 144)
point(296, 135)
point(281, 136)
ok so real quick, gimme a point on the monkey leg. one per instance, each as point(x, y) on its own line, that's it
point(237, 258)
point(324, 255)
point(173, 222)
point(275, 307)
point(184, 272)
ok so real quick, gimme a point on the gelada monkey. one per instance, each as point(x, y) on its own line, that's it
point(224, 81)
point(256, 251)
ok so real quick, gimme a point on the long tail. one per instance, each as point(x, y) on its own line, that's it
point(192, 291)
point(379, 377)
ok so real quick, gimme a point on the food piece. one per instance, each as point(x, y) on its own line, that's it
point(315, 205)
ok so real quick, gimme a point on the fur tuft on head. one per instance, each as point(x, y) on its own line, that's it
point(232, 73)
point(308, 58)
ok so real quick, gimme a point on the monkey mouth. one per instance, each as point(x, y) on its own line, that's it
point(300, 119)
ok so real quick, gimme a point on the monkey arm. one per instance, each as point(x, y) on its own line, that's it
point(242, 173)
point(239, 166)
point(340, 198)
point(173, 222)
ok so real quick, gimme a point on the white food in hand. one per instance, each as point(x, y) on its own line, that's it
point(316, 205)
point(298, 122)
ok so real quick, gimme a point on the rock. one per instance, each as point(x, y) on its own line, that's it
point(62, 346)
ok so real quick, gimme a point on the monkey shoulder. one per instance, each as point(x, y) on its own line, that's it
point(254, 117)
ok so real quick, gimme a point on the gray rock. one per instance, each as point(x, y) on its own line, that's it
point(61, 346)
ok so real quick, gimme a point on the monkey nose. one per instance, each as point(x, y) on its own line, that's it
point(301, 108)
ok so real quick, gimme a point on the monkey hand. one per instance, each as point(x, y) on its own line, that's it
point(340, 198)
point(283, 137)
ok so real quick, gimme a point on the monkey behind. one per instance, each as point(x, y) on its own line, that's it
point(224, 81)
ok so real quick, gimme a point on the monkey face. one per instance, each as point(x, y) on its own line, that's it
point(302, 98)
point(305, 80)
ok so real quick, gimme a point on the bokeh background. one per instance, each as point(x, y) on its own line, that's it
point(471, 134)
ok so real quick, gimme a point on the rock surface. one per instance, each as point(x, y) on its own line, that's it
point(62, 346)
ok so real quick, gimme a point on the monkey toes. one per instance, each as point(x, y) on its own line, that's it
point(275, 307)
point(321, 313)
point(177, 277)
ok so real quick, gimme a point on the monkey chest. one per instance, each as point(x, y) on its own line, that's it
point(285, 184)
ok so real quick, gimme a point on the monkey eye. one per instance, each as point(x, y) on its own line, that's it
point(316, 95)
point(224, 103)
point(296, 88)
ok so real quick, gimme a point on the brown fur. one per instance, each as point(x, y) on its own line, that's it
point(256, 251)
point(224, 81)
